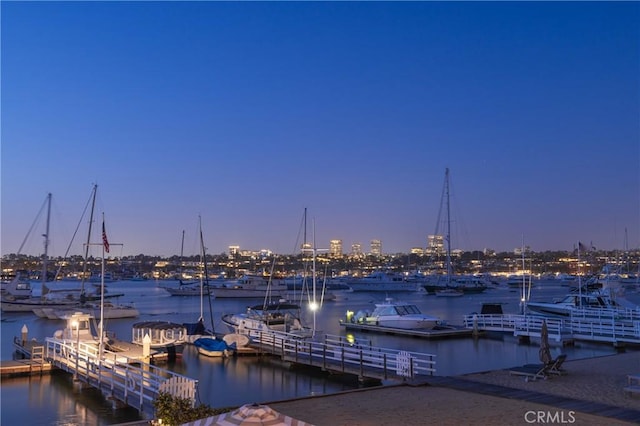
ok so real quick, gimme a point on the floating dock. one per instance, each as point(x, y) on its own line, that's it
point(438, 332)
point(26, 367)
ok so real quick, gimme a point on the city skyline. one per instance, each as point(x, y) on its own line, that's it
point(245, 114)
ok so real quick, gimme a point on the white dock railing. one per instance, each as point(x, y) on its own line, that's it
point(135, 385)
point(336, 353)
point(582, 326)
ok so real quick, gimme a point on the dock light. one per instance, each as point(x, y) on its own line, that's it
point(350, 339)
point(349, 316)
point(313, 306)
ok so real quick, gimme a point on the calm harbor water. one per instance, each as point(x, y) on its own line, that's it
point(51, 400)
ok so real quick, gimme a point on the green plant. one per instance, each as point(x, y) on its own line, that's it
point(173, 411)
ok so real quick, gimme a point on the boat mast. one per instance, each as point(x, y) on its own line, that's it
point(86, 247)
point(446, 183)
point(201, 268)
point(181, 255)
point(205, 279)
point(524, 282)
point(101, 327)
point(45, 255)
point(314, 304)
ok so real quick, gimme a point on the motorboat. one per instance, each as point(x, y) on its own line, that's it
point(280, 316)
point(108, 311)
point(449, 292)
point(165, 336)
point(467, 284)
point(396, 314)
point(382, 281)
point(17, 288)
point(81, 330)
point(604, 299)
point(250, 286)
point(188, 289)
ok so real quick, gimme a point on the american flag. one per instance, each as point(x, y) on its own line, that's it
point(105, 242)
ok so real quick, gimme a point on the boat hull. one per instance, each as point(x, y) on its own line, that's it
point(407, 324)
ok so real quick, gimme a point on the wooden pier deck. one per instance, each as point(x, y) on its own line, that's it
point(336, 354)
point(25, 367)
point(123, 380)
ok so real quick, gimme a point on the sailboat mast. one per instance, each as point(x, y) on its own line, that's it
point(101, 344)
point(446, 183)
point(205, 279)
point(314, 305)
point(45, 256)
point(524, 281)
point(201, 267)
point(86, 249)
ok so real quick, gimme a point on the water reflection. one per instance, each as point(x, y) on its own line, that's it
point(52, 400)
point(228, 382)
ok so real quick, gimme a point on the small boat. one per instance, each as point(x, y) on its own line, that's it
point(213, 347)
point(575, 302)
point(382, 281)
point(188, 289)
point(17, 288)
point(449, 292)
point(81, 329)
point(280, 316)
point(110, 310)
point(165, 336)
point(395, 314)
point(250, 286)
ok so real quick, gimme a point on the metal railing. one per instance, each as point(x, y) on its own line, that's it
point(337, 353)
point(135, 385)
point(591, 328)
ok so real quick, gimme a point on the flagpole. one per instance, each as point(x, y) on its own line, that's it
point(101, 343)
point(579, 279)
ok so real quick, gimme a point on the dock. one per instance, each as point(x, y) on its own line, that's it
point(122, 380)
point(438, 332)
point(340, 355)
point(602, 329)
point(26, 367)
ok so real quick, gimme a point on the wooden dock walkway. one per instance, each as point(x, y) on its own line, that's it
point(336, 354)
point(124, 381)
point(25, 367)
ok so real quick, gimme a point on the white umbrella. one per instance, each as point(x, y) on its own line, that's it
point(545, 351)
point(249, 415)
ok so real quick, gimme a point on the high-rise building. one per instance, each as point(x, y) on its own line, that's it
point(376, 248)
point(335, 248)
point(356, 249)
point(234, 251)
point(435, 245)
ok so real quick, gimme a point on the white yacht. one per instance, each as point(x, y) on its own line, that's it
point(281, 316)
point(250, 286)
point(395, 314)
point(601, 299)
point(382, 281)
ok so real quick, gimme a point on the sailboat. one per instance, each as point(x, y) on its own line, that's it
point(206, 341)
point(18, 296)
point(190, 288)
point(465, 283)
point(281, 316)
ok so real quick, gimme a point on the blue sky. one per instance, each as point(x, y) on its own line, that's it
point(245, 113)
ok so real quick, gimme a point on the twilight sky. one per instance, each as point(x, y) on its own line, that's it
point(246, 113)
